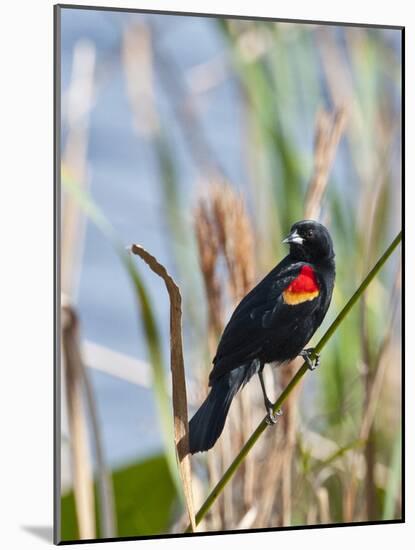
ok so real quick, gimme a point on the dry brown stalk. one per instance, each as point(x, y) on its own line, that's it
point(74, 163)
point(246, 413)
point(340, 81)
point(80, 387)
point(74, 160)
point(105, 487)
point(137, 57)
point(329, 129)
point(374, 385)
point(181, 425)
point(236, 242)
point(236, 238)
point(80, 455)
point(323, 505)
point(311, 515)
point(208, 247)
point(214, 466)
point(248, 519)
point(373, 194)
point(227, 445)
point(371, 203)
point(289, 424)
point(223, 232)
point(271, 469)
point(271, 454)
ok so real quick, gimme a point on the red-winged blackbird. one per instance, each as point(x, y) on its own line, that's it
point(272, 323)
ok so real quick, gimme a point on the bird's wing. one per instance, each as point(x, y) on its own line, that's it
point(262, 314)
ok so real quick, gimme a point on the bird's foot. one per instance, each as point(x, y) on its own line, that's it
point(272, 417)
point(306, 354)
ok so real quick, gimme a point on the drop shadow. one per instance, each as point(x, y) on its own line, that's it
point(44, 532)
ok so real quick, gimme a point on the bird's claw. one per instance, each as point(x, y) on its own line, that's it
point(312, 364)
point(272, 417)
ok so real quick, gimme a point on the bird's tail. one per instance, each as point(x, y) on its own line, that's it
point(207, 424)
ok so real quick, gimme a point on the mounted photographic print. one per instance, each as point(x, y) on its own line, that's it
point(228, 274)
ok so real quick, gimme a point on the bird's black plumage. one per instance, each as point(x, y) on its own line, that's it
point(272, 323)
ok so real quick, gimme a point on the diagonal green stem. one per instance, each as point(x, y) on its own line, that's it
point(294, 381)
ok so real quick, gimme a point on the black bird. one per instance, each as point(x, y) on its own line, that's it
point(272, 323)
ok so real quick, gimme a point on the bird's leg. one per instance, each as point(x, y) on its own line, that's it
point(306, 355)
point(272, 416)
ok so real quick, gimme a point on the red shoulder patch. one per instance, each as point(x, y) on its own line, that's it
point(303, 288)
point(306, 281)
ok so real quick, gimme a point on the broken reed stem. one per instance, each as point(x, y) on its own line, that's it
point(181, 424)
point(227, 476)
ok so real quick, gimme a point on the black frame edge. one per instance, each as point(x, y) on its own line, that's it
point(229, 16)
point(56, 274)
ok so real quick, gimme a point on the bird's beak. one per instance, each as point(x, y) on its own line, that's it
point(293, 237)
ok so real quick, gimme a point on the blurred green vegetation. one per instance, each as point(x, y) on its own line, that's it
point(144, 495)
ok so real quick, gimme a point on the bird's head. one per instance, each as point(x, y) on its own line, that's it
point(310, 241)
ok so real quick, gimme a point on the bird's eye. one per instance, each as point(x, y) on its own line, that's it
point(309, 233)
